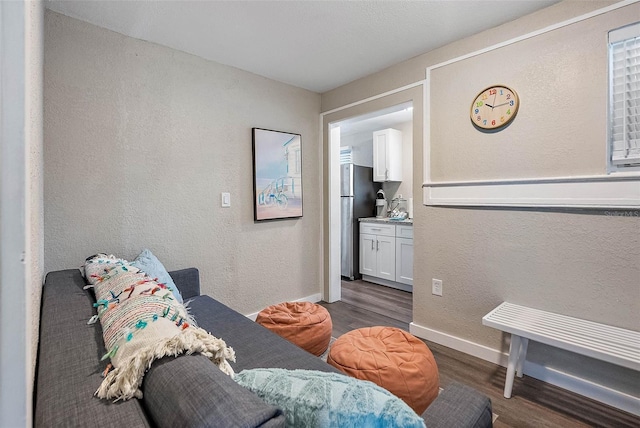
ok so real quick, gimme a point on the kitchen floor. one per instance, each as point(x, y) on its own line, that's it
point(387, 301)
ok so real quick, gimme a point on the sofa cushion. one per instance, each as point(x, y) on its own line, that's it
point(188, 282)
point(319, 399)
point(189, 391)
point(69, 368)
point(459, 406)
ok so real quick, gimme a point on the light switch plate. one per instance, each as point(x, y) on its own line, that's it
point(436, 287)
point(226, 199)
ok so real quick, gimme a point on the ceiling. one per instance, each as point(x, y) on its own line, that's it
point(386, 118)
point(316, 45)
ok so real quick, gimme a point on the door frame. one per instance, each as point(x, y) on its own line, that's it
point(414, 93)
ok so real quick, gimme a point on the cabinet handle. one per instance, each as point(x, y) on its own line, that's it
point(375, 228)
point(372, 245)
point(377, 245)
point(386, 174)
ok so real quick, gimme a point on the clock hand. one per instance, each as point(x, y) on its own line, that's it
point(499, 105)
point(489, 105)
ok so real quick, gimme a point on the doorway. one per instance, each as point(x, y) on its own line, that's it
point(351, 142)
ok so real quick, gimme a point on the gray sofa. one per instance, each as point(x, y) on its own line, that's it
point(187, 391)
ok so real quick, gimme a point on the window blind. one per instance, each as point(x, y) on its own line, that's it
point(624, 115)
point(346, 155)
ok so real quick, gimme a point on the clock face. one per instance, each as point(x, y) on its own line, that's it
point(494, 107)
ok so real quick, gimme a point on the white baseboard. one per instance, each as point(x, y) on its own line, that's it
point(604, 394)
point(480, 351)
point(314, 298)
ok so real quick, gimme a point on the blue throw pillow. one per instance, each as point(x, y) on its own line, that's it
point(312, 398)
point(149, 264)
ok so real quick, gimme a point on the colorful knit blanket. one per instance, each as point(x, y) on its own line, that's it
point(141, 322)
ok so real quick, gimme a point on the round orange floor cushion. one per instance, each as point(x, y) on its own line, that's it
point(392, 359)
point(303, 323)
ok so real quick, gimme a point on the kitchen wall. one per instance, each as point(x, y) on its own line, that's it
point(140, 140)
point(362, 152)
point(361, 144)
point(582, 263)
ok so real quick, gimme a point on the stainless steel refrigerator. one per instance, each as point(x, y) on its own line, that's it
point(357, 200)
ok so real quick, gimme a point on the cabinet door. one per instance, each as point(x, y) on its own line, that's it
point(386, 257)
point(367, 254)
point(404, 260)
point(380, 156)
point(394, 155)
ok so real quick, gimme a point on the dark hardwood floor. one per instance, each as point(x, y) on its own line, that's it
point(533, 404)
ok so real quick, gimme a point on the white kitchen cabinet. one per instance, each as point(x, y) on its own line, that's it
point(387, 155)
point(386, 247)
point(404, 261)
point(386, 254)
point(378, 250)
point(368, 254)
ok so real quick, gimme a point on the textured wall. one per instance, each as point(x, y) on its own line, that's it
point(562, 84)
point(34, 138)
point(577, 262)
point(21, 264)
point(140, 140)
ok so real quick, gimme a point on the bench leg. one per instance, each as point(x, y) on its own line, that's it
point(514, 354)
point(522, 356)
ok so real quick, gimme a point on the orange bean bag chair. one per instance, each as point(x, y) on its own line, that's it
point(392, 359)
point(303, 323)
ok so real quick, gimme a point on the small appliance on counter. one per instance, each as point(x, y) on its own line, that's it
point(381, 204)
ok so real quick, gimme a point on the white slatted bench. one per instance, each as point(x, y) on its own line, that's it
point(603, 342)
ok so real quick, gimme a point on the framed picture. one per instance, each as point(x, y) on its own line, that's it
point(277, 175)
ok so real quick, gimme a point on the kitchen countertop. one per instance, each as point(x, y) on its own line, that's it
point(385, 220)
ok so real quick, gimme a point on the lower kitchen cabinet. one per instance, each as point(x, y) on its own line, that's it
point(386, 254)
point(404, 254)
point(404, 260)
point(378, 250)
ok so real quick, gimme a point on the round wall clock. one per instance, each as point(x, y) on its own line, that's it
point(494, 107)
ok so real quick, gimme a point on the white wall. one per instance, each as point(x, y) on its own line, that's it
point(35, 169)
point(361, 147)
point(140, 140)
point(21, 70)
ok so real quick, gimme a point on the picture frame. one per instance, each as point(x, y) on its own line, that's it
point(277, 175)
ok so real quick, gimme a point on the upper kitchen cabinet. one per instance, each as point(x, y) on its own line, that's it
point(387, 155)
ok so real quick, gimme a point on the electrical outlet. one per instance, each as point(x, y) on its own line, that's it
point(436, 287)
